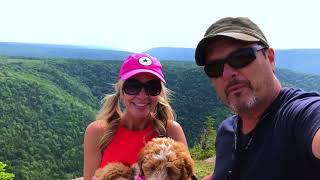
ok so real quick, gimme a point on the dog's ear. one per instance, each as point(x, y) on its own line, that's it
point(135, 170)
point(113, 171)
point(139, 170)
point(189, 166)
point(173, 170)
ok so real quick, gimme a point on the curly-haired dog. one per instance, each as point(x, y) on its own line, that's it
point(165, 159)
point(160, 159)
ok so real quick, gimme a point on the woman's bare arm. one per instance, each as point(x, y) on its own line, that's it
point(92, 154)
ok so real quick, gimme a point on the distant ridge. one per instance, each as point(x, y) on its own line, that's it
point(301, 60)
point(31, 50)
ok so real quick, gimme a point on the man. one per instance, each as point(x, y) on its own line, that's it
point(275, 133)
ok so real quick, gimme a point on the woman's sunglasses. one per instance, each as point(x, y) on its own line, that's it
point(237, 59)
point(151, 88)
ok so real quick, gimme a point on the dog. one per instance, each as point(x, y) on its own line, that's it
point(161, 159)
point(165, 159)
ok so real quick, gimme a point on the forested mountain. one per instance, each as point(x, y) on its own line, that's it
point(46, 105)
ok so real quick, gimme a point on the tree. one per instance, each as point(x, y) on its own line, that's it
point(205, 148)
point(3, 174)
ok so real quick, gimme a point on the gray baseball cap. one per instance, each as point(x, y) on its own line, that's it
point(240, 28)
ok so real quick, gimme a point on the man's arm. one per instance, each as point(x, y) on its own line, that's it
point(316, 144)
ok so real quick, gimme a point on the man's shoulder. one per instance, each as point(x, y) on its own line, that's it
point(297, 98)
point(228, 124)
point(296, 93)
point(295, 107)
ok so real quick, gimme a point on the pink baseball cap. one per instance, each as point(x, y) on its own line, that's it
point(138, 63)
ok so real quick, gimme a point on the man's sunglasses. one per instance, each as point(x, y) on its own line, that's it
point(151, 88)
point(237, 59)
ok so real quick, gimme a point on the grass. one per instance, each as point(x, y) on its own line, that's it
point(203, 168)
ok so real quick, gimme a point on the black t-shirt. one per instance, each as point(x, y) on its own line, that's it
point(279, 148)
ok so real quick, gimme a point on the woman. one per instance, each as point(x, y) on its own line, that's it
point(137, 112)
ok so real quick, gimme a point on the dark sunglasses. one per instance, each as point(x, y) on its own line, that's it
point(151, 88)
point(237, 59)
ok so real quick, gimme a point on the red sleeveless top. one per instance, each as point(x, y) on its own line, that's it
point(126, 145)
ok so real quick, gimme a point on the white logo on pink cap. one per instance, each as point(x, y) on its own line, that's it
point(145, 61)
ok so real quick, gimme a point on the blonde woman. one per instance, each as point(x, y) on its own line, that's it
point(118, 134)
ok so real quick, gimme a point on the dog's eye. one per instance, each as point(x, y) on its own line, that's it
point(153, 168)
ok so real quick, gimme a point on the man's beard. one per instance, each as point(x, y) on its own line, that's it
point(240, 106)
point(242, 101)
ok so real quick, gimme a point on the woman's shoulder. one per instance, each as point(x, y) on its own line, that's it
point(173, 125)
point(96, 127)
point(173, 128)
point(175, 131)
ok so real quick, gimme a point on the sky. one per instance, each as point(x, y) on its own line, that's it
point(139, 25)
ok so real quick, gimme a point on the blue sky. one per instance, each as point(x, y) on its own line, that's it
point(138, 25)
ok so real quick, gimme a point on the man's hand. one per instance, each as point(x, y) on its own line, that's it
point(316, 145)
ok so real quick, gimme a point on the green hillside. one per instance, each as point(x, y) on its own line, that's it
point(41, 124)
point(46, 105)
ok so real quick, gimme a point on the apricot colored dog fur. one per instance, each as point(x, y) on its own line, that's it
point(160, 159)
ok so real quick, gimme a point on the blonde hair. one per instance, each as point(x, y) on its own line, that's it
point(110, 113)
